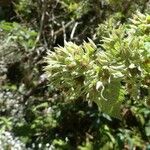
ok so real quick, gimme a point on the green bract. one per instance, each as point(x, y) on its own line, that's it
point(105, 75)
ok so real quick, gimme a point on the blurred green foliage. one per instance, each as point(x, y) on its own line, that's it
point(35, 113)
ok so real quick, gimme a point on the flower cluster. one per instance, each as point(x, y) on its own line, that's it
point(8, 141)
point(105, 75)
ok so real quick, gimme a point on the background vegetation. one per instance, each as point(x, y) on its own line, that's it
point(36, 112)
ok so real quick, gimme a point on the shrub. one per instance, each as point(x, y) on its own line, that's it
point(121, 67)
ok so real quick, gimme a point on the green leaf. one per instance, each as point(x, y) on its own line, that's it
point(113, 95)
